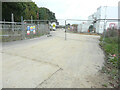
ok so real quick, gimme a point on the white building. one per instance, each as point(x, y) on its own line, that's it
point(83, 27)
point(105, 12)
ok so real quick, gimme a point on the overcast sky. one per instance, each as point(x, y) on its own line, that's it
point(74, 9)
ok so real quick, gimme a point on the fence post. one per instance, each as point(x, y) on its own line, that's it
point(104, 30)
point(48, 27)
point(31, 19)
point(12, 18)
point(23, 31)
point(65, 29)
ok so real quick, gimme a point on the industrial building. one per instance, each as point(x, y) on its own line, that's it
point(83, 27)
point(104, 18)
point(109, 13)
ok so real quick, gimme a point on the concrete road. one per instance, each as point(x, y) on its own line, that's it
point(52, 62)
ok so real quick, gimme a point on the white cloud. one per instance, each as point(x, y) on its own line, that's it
point(74, 9)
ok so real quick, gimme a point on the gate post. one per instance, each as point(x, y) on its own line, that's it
point(12, 18)
point(105, 22)
point(65, 29)
point(49, 27)
point(23, 30)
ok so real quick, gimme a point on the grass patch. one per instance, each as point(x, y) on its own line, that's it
point(110, 46)
point(105, 85)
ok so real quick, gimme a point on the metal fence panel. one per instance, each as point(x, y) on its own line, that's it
point(12, 31)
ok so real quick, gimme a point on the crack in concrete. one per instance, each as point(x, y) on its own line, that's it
point(34, 60)
point(49, 77)
point(41, 62)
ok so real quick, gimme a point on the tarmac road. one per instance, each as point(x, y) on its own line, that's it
point(52, 62)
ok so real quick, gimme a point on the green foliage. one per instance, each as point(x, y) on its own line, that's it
point(26, 9)
point(91, 28)
point(110, 46)
point(111, 33)
point(8, 8)
point(111, 40)
point(113, 61)
point(46, 14)
point(31, 10)
point(105, 85)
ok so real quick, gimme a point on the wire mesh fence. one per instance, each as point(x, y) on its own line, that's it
point(98, 26)
point(12, 31)
point(80, 26)
point(36, 28)
point(111, 28)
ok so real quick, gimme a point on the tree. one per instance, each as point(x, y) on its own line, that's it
point(46, 14)
point(91, 28)
point(26, 10)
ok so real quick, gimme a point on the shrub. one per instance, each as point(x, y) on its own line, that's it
point(111, 33)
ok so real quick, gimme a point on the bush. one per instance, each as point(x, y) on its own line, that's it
point(111, 33)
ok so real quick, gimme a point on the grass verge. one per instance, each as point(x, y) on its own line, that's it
point(110, 47)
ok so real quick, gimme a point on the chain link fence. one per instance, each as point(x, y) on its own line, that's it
point(80, 26)
point(111, 28)
point(12, 31)
point(36, 28)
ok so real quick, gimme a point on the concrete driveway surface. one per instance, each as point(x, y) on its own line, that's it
point(52, 62)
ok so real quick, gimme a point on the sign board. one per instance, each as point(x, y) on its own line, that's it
point(31, 28)
point(34, 32)
point(28, 27)
point(53, 25)
point(28, 32)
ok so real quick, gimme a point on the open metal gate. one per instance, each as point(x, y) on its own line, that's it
point(12, 31)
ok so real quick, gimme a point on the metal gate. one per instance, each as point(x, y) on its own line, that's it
point(35, 28)
point(91, 27)
point(12, 31)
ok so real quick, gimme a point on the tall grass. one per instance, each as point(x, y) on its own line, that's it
point(110, 46)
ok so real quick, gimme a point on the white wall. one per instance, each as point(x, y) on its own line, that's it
point(100, 27)
point(108, 13)
point(79, 28)
point(83, 27)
